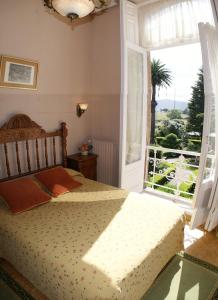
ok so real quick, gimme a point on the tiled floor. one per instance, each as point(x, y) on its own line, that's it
point(197, 243)
point(191, 236)
point(203, 245)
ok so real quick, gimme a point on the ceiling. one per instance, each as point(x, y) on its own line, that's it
point(138, 1)
point(142, 1)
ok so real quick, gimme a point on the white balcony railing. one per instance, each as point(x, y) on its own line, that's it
point(172, 171)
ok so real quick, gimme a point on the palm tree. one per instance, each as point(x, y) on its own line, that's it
point(160, 77)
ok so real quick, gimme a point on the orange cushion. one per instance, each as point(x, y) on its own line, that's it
point(22, 194)
point(57, 181)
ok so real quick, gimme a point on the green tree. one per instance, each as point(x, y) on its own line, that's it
point(174, 114)
point(170, 141)
point(185, 111)
point(196, 106)
point(171, 126)
point(160, 77)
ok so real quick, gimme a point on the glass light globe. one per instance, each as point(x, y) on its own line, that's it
point(81, 8)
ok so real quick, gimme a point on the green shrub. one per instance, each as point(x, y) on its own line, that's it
point(161, 179)
point(188, 188)
point(171, 155)
point(174, 114)
point(184, 187)
point(170, 141)
point(159, 140)
point(166, 188)
point(165, 165)
point(193, 161)
point(194, 145)
point(165, 185)
point(158, 154)
point(166, 127)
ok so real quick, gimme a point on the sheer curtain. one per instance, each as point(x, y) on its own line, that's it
point(209, 41)
point(168, 23)
point(206, 194)
point(134, 106)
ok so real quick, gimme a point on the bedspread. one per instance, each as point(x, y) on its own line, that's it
point(97, 242)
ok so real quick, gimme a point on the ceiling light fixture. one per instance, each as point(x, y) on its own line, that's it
point(74, 9)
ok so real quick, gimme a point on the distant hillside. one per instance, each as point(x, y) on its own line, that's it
point(169, 104)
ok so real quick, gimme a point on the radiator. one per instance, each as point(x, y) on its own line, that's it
point(107, 157)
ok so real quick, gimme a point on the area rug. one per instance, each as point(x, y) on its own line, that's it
point(10, 289)
point(185, 278)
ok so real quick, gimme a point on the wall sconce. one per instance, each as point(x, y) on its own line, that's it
point(81, 108)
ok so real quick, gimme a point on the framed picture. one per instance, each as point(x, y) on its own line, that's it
point(18, 73)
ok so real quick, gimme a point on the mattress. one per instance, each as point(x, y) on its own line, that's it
point(97, 242)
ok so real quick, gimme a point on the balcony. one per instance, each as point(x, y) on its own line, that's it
point(171, 171)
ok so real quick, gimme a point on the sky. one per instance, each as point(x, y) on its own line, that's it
point(184, 63)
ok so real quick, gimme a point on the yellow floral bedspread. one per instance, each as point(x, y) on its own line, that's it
point(97, 242)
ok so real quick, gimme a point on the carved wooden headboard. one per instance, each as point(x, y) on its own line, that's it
point(20, 128)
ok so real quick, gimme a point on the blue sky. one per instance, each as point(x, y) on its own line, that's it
point(184, 63)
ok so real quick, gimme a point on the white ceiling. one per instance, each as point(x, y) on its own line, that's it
point(139, 1)
point(142, 1)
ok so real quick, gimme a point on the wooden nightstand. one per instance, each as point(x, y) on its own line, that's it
point(86, 164)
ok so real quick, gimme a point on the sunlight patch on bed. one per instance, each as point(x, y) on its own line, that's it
point(130, 237)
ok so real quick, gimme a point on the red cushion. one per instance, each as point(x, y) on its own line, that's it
point(57, 181)
point(22, 194)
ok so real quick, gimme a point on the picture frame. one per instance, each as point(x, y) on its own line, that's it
point(18, 73)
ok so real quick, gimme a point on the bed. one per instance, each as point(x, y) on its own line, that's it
point(96, 242)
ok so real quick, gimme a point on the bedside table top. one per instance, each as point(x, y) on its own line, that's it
point(79, 157)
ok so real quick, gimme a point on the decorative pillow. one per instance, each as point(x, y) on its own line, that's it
point(57, 181)
point(22, 194)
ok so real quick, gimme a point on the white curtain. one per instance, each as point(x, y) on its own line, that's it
point(206, 195)
point(134, 106)
point(169, 23)
point(210, 38)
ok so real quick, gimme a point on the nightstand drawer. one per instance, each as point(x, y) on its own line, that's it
point(87, 165)
point(89, 173)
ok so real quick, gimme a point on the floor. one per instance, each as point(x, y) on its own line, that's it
point(197, 243)
point(203, 245)
point(22, 281)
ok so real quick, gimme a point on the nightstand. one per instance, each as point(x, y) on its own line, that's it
point(86, 164)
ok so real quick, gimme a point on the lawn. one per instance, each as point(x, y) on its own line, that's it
point(162, 116)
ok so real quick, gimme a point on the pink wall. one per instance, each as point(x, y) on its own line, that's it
point(105, 80)
point(77, 62)
point(63, 52)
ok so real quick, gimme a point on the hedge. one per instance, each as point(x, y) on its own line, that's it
point(188, 188)
point(166, 189)
point(194, 145)
point(160, 179)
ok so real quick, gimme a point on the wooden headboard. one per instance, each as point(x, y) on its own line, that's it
point(20, 128)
